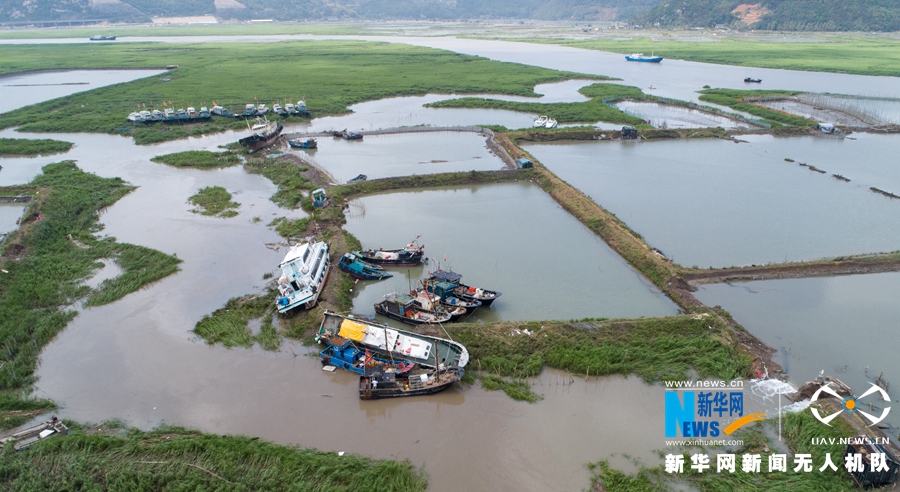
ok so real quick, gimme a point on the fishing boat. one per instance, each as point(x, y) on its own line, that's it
point(432, 303)
point(338, 133)
point(262, 134)
point(146, 116)
point(170, 114)
point(261, 110)
point(300, 108)
point(541, 122)
point(360, 269)
point(639, 57)
point(135, 118)
point(551, 123)
point(391, 385)
point(220, 111)
point(181, 114)
point(752, 80)
point(465, 292)
point(446, 292)
point(28, 436)
point(98, 37)
point(249, 110)
point(289, 109)
point(343, 354)
point(405, 309)
point(191, 112)
point(157, 115)
point(358, 178)
point(352, 136)
point(276, 108)
point(411, 255)
point(303, 144)
point(303, 274)
point(386, 341)
point(204, 113)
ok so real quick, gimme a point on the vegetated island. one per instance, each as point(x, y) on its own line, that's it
point(214, 200)
point(28, 147)
point(199, 159)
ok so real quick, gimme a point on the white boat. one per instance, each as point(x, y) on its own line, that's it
point(301, 105)
point(289, 108)
point(262, 109)
point(157, 115)
point(191, 112)
point(303, 273)
point(541, 122)
point(551, 123)
point(135, 118)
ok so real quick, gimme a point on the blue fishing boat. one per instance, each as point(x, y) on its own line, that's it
point(358, 178)
point(352, 136)
point(446, 291)
point(343, 354)
point(303, 144)
point(640, 57)
point(411, 255)
point(360, 269)
point(99, 37)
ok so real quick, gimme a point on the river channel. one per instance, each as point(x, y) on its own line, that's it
point(767, 210)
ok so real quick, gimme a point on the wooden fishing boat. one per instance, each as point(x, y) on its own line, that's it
point(303, 144)
point(411, 255)
point(432, 303)
point(752, 80)
point(463, 291)
point(393, 342)
point(352, 136)
point(362, 270)
point(405, 309)
point(343, 354)
point(358, 178)
point(389, 385)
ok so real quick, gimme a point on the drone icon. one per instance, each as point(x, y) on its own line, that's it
point(850, 404)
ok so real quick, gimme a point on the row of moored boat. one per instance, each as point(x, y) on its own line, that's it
point(251, 110)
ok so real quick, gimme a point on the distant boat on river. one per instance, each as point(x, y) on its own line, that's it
point(98, 37)
point(752, 80)
point(640, 57)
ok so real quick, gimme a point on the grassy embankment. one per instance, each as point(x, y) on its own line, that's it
point(331, 75)
point(46, 260)
point(798, 431)
point(734, 99)
point(122, 31)
point(172, 458)
point(198, 159)
point(26, 147)
point(834, 53)
point(214, 200)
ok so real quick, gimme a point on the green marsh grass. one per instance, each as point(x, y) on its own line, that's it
point(734, 99)
point(331, 75)
point(287, 176)
point(48, 257)
point(590, 111)
point(515, 389)
point(214, 200)
point(173, 458)
point(27, 147)
point(199, 159)
point(288, 228)
point(228, 325)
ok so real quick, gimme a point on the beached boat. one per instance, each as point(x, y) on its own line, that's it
point(204, 113)
point(262, 134)
point(181, 114)
point(360, 269)
point(26, 437)
point(411, 255)
point(170, 114)
point(343, 354)
point(157, 115)
point(352, 136)
point(300, 109)
point(541, 122)
point(551, 123)
point(389, 385)
point(135, 118)
point(249, 110)
point(465, 292)
point(393, 342)
point(446, 292)
point(640, 57)
point(277, 109)
point(303, 273)
point(289, 109)
point(752, 80)
point(191, 112)
point(309, 143)
point(358, 178)
point(430, 302)
point(220, 111)
point(405, 309)
point(261, 110)
point(98, 37)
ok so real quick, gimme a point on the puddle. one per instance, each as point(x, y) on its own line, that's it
point(10, 213)
point(109, 270)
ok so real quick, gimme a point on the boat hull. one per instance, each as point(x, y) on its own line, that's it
point(406, 386)
point(256, 142)
point(404, 257)
point(366, 272)
point(415, 321)
point(341, 354)
point(655, 59)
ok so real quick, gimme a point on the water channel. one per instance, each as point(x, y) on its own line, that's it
point(767, 210)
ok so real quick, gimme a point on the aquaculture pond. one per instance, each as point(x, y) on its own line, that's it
point(402, 154)
point(9, 216)
point(668, 116)
point(509, 237)
point(719, 203)
point(21, 90)
point(841, 325)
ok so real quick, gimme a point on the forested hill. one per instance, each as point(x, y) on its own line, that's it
point(792, 15)
point(143, 10)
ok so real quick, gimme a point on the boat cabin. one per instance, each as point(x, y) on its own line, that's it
point(869, 475)
point(825, 127)
point(442, 289)
point(319, 199)
point(452, 278)
point(524, 163)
